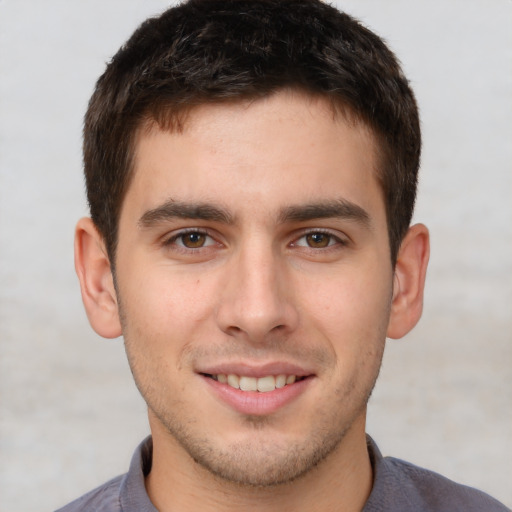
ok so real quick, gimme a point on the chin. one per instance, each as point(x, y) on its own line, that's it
point(262, 461)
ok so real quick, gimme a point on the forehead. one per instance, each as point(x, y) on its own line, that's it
point(286, 148)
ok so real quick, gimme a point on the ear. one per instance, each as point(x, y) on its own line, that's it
point(409, 281)
point(92, 266)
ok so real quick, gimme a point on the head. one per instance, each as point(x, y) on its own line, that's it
point(251, 169)
point(217, 51)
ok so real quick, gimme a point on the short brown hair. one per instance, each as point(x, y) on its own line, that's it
point(210, 51)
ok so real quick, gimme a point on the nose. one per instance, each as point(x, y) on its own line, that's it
point(256, 301)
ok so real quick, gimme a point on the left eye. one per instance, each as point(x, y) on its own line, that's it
point(316, 240)
point(193, 240)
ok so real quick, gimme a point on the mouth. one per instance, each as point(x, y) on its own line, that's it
point(263, 392)
point(263, 384)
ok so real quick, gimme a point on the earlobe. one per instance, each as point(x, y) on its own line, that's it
point(409, 281)
point(92, 266)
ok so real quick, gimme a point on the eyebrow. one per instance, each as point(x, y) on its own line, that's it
point(340, 208)
point(172, 209)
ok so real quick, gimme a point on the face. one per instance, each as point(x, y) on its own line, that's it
point(254, 284)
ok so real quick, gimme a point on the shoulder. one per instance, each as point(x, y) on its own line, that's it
point(105, 498)
point(123, 493)
point(438, 493)
point(401, 486)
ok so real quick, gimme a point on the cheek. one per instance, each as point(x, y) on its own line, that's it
point(165, 315)
point(159, 319)
point(351, 309)
point(168, 290)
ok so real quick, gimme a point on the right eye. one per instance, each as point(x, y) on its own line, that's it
point(192, 239)
point(316, 240)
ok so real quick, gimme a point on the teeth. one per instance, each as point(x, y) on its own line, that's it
point(263, 384)
point(234, 381)
point(266, 384)
point(248, 384)
point(290, 379)
point(280, 381)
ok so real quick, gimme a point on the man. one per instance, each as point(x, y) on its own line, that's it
point(251, 171)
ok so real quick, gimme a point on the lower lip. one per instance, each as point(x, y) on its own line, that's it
point(255, 402)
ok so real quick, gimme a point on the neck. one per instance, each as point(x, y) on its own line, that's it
point(342, 482)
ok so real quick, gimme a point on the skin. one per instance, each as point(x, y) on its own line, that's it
point(287, 266)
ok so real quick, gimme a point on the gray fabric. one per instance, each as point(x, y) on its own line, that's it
point(125, 493)
point(398, 487)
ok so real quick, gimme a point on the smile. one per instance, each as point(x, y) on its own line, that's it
point(258, 395)
point(262, 384)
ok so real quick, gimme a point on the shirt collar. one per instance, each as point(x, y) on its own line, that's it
point(133, 495)
point(134, 498)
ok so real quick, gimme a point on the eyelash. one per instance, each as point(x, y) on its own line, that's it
point(332, 243)
point(338, 240)
point(171, 241)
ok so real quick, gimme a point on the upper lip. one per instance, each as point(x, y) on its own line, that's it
point(255, 370)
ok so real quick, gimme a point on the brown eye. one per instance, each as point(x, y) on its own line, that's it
point(193, 240)
point(318, 240)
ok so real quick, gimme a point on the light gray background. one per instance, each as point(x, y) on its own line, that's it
point(70, 415)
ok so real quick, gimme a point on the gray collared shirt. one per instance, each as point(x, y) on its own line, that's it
point(398, 487)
